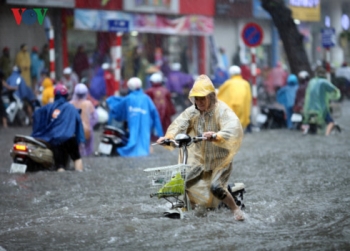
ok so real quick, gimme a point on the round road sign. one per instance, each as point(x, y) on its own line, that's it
point(252, 34)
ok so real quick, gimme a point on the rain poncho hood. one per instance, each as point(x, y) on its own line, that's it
point(142, 117)
point(208, 156)
point(318, 94)
point(23, 91)
point(286, 95)
point(236, 93)
point(57, 122)
point(88, 116)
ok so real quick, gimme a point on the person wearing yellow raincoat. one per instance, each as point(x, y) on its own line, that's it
point(210, 160)
point(48, 95)
point(23, 62)
point(236, 93)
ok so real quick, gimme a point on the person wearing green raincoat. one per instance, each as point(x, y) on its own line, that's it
point(318, 94)
point(210, 160)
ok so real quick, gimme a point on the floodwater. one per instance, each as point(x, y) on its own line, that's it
point(297, 198)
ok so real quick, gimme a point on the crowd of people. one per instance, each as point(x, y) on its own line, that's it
point(218, 108)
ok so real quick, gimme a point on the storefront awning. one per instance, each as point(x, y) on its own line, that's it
point(100, 20)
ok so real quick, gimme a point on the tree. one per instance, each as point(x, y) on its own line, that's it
point(291, 38)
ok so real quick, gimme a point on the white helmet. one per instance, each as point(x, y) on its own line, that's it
point(156, 78)
point(67, 71)
point(105, 66)
point(303, 75)
point(175, 66)
point(234, 70)
point(134, 83)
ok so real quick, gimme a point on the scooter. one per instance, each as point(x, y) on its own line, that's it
point(271, 117)
point(15, 109)
point(168, 182)
point(30, 155)
point(111, 138)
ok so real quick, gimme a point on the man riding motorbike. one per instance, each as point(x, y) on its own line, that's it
point(59, 124)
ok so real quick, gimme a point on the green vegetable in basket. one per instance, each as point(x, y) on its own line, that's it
point(175, 185)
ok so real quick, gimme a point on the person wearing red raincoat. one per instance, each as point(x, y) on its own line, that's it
point(111, 84)
point(161, 98)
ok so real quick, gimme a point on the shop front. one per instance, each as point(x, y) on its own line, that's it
point(153, 33)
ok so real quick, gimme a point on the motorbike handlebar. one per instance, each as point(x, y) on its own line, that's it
point(177, 144)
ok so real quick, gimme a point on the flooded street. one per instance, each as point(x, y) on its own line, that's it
point(297, 198)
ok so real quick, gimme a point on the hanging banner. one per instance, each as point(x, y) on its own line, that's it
point(98, 20)
point(306, 10)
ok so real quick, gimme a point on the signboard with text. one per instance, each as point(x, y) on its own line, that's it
point(328, 37)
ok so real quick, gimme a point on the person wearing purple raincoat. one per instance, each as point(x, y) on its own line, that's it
point(179, 84)
point(88, 117)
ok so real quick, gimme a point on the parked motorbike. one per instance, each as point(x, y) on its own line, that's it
point(271, 117)
point(30, 155)
point(111, 138)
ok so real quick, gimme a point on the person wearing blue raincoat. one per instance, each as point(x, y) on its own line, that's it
point(286, 97)
point(138, 110)
point(98, 85)
point(59, 124)
point(23, 91)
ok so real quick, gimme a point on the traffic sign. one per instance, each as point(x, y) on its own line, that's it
point(118, 25)
point(328, 37)
point(252, 34)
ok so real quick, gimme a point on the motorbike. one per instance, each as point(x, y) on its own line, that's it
point(30, 155)
point(271, 117)
point(112, 137)
point(168, 182)
point(15, 109)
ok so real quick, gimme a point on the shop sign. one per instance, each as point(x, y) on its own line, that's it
point(165, 6)
point(118, 25)
point(42, 3)
point(306, 10)
point(234, 9)
point(98, 20)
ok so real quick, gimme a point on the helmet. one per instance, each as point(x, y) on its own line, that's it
point(15, 68)
point(176, 66)
point(134, 83)
point(105, 66)
point(303, 75)
point(67, 71)
point(61, 90)
point(202, 87)
point(156, 78)
point(234, 70)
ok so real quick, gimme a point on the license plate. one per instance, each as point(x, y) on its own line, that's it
point(296, 117)
point(261, 118)
point(105, 148)
point(18, 168)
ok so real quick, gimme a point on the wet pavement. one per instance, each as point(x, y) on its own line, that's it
point(297, 198)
